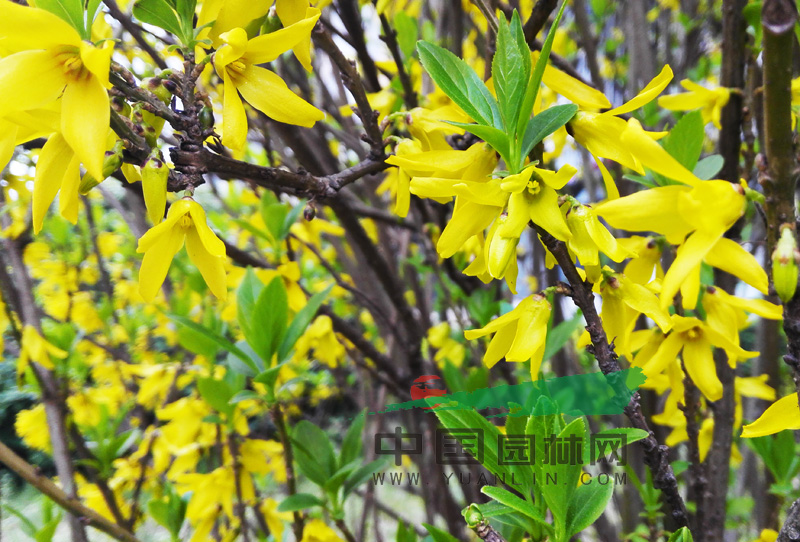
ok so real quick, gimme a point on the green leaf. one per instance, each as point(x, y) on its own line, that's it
point(685, 140)
point(707, 168)
point(558, 496)
point(407, 33)
point(70, 11)
point(314, 452)
point(681, 535)
point(560, 335)
point(158, 13)
point(185, 9)
point(274, 215)
point(587, 504)
point(244, 395)
point(338, 478)
point(439, 535)
point(538, 71)
point(217, 393)
point(268, 320)
point(404, 532)
point(493, 509)
point(362, 474)
point(494, 137)
point(299, 501)
point(353, 443)
point(544, 124)
point(301, 321)
point(510, 72)
point(48, 530)
point(27, 525)
point(517, 503)
point(214, 337)
point(456, 419)
point(460, 83)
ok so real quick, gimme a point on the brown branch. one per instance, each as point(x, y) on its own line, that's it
point(656, 456)
point(390, 38)
point(291, 484)
point(282, 180)
point(31, 474)
point(790, 532)
point(352, 80)
point(539, 15)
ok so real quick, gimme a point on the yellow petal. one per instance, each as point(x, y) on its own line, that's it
point(755, 386)
point(531, 332)
point(612, 192)
point(98, 60)
point(268, 47)
point(176, 212)
point(28, 80)
point(54, 160)
point(653, 156)
point(234, 117)
point(643, 300)
point(157, 260)
point(544, 212)
point(689, 256)
point(604, 240)
point(68, 202)
point(499, 344)
point(211, 267)
point(699, 361)
point(572, 89)
point(732, 258)
point(783, 414)
point(269, 94)
point(648, 210)
point(648, 93)
point(667, 353)
point(24, 28)
point(600, 133)
point(210, 241)
point(235, 46)
point(468, 219)
point(557, 179)
point(84, 122)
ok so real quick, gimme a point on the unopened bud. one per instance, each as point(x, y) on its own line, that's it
point(501, 250)
point(87, 183)
point(310, 211)
point(784, 264)
point(473, 516)
point(119, 105)
point(154, 186)
point(207, 117)
point(156, 86)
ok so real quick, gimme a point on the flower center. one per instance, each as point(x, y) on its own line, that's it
point(693, 334)
point(71, 64)
point(238, 66)
point(533, 186)
point(185, 222)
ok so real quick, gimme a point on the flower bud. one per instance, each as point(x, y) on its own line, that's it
point(154, 186)
point(784, 264)
point(156, 86)
point(119, 105)
point(501, 250)
point(473, 516)
point(87, 183)
point(207, 117)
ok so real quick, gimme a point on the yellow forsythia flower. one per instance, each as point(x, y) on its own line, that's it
point(186, 222)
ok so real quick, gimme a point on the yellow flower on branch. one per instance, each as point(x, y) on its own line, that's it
point(709, 101)
point(36, 348)
point(590, 237)
point(695, 218)
point(185, 222)
point(49, 60)
point(519, 335)
point(606, 135)
point(696, 339)
point(237, 63)
point(316, 531)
